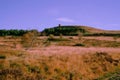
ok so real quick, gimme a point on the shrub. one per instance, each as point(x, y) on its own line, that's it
point(115, 38)
point(79, 44)
point(111, 75)
point(10, 74)
point(61, 36)
point(116, 77)
point(29, 38)
point(79, 35)
point(2, 57)
point(51, 36)
point(71, 37)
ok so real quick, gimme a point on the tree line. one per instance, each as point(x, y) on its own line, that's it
point(66, 31)
point(12, 32)
point(74, 31)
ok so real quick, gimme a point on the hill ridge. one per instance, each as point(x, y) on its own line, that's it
point(73, 30)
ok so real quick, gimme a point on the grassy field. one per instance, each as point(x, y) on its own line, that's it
point(67, 58)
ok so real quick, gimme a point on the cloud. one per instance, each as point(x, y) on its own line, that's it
point(62, 19)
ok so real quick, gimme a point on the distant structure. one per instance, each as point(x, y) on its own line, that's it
point(59, 25)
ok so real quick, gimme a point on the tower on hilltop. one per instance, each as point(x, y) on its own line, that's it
point(59, 25)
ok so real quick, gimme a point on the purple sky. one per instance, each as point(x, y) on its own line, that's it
point(40, 14)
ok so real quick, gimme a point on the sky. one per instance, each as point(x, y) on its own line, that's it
point(41, 14)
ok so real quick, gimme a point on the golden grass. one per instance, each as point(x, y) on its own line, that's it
point(57, 62)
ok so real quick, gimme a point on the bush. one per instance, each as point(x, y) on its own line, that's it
point(2, 57)
point(28, 39)
point(79, 44)
point(61, 36)
point(115, 75)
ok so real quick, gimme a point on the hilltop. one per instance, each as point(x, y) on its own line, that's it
point(72, 30)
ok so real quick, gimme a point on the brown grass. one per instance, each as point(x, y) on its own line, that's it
point(57, 62)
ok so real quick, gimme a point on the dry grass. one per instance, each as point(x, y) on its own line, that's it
point(102, 38)
point(57, 62)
